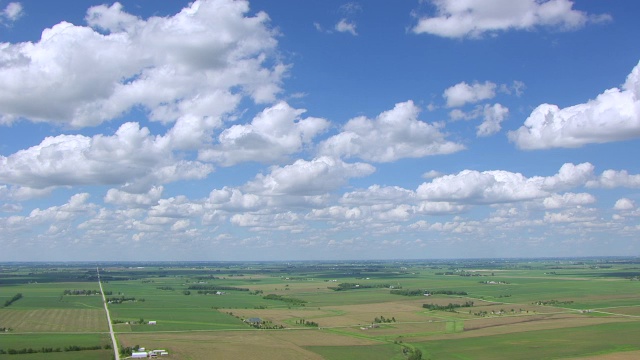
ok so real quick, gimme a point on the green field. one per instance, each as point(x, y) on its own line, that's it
point(476, 309)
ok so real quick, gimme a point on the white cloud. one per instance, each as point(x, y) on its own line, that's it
point(345, 25)
point(172, 66)
point(474, 18)
point(393, 135)
point(55, 216)
point(318, 176)
point(13, 11)
point(571, 216)
point(624, 204)
point(463, 93)
point(275, 133)
point(376, 194)
point(130, 157)
point(498, 186)
point(494, 115)
point(557, 201)
point(177, 207)
point(287, 221)
point(439, 208)
point(123, 198)
point(231, 199)
point(611, 179)
point(431, 174)
point(339, 213)
point(613, 115)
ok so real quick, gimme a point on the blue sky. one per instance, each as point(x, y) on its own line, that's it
point(288, 130)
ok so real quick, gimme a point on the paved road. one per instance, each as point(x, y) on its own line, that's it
point(106, 309)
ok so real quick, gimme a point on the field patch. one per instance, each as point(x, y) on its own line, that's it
point(372, 352)
point(277, 344)
point(568, 342)
point(54, 320)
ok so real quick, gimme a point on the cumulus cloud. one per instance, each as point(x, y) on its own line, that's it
point(231, 199)
point(376, 194)
point(557, 201)
point(463, 93)
point(287, 221)
point(494, 115)
point(131, 157)
point(346, 26)
point(12, 12)
point(612, 179)
point(172, 66)
point(393, 135)
point(474, 18)
point(55, 216)
point(624, 204)
point(320, 175)
point(499, 186)
point(123, 198)
point(613, 115)
point(571, 216)
point(275, 133)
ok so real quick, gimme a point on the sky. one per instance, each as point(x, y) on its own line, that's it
point(318, 130)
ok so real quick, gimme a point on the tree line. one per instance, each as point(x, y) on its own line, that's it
point(450, 307)
point(12, 351)
point(15, 298)
point(419, 292)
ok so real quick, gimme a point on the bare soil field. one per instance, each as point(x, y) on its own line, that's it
point(626, 310)
point(513, 324)
point(283, 344)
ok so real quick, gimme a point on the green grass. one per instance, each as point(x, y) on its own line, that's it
point(177, 319)
point(582, 285)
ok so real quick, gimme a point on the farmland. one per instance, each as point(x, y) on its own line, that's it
point(445, 309)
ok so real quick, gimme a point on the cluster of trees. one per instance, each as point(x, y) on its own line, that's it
point(118, 321)
point(207, 277)
point(15, 298)
point(494, 312)
point(419, 292)
point(449, 307)
point(121, 299)
point(5, 329)
point(307, 323)
point(553, 302)
point(83, 292)
point(353, 286)
point(211, 289)
point(383, 319)
point(257, 292)
point(128, 351)
point(50, 349)
point(165, 288)
point(291, 301)
point(266, 325)
point(412, 354)
point(459, 273)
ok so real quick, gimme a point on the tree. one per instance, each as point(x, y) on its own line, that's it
point(415, 355)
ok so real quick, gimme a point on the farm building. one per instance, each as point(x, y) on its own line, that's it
point(254, 321)
point(153, 322)
point(139, 354)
